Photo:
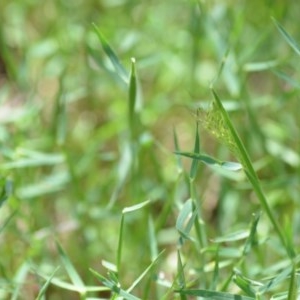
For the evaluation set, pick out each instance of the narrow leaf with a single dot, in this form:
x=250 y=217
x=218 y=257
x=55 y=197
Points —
x=283 y=275
x=148 y=270
x=5 y=223
x=293 y=295
x=7 y=188
x=135 y=207
x=289 y=39
x=114 y=287
x=244 y=284
x=195 y=162
x=74 y=276
x=215 y=279
x=177 y=149
x=186 y=219
x=234 y=236
x=251 y=240
x=152 y=238
x=120 y=244
x=132 y=96
x=208 y=160
x=120 y=70
x=180 y=272
x=43 y=290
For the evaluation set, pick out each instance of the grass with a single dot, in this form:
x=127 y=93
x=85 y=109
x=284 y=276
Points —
x=149 y=150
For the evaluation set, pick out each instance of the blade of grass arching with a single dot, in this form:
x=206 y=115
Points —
x=289 y=39
x=249 y=170
x=147 y=271
x=43 y=290
x=71 y=287
x=121 y=231
x=73 y=274
x=207 y=294
x=120 y=70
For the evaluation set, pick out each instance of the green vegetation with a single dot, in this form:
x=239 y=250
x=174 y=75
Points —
x=149 y=150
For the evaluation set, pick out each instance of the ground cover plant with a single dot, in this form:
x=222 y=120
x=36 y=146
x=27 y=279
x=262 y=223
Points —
x=149 y=150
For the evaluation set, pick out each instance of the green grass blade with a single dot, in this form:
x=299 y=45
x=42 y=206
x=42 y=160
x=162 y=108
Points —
x=71 y=287
x=194 y=166
x=232 y=237
x=120 y=244
x=60 y=115
x=26 y=158
x=293 y=288
x=271 y=284
x=44 y=288
x=74 y=276
x=215 y=278
x=208 y=294
x=152 y=239
x=186 y=220
x=177 y=149
x=292 y=82
x=252 y=240
x=135 y=207
x=147 y=271
x=132 y=99
x=289 y=39
x=19 y=280
x=244 y=284
x=121 y=231
x=114 y=286
x=7 y=188
x=210 y=161
x=242 y=154
x=181 y=283
x=8 y=219
x=120 y=70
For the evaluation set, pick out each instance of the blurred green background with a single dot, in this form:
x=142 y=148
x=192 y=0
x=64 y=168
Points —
x=65 y=165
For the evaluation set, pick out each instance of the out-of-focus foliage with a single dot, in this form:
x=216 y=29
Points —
x=71 y=161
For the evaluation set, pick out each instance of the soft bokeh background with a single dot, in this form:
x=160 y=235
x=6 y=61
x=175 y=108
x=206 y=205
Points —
x=64 y=132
